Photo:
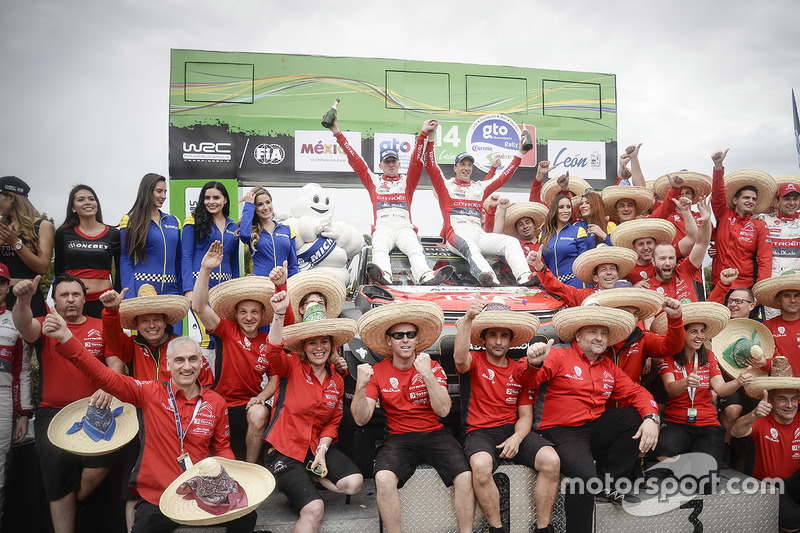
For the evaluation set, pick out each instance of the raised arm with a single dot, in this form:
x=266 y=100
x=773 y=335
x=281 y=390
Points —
x=637 y=176
x=211 y=260
x=703 y=234
x=437 y=392
x=356 y=162
x=362 y=407
x=718 y=199
x=744 y=426
x=28 y=327
x=416 y=165
x=461 y=355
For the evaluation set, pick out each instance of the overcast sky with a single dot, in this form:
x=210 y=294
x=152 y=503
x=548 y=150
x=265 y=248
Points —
x=85 y=83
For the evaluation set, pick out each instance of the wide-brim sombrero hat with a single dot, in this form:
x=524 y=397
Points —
x=534 y=210
x=642 y=197
x=784 y=179
x=763 y=182
x=523 y=325
x=738 y=328
x=767 y=290
x=584 y=266
x=257 y=482
x=577 y=186
x=649 y=303
x=568 y=321
x=426 y=316
x=627 y=232
x=699 y=183
x=79 y=442
x=172 y=306
x=780 y=377
x=340 y=329
x=224 y=297
x=715 y=317
x=324 y=282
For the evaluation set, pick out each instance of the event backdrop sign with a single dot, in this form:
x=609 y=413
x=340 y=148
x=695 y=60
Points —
x=256 y=117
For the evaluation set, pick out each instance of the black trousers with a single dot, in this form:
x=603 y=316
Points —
x=148 y=519
x=789 y=503
x=603 y=446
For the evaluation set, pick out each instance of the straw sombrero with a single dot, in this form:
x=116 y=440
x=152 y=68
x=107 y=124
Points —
x=551 y=188
x=315 y=324
x=324 y=282
x=763 y=182
x=497 y=314
x=224 y=297
x=172 y=306
x=426 y=316
x=627 y=232
x=568 y=321
x=715 y=316
x=534 y=210
x=737 y=341
x=256 y=481
x=642 y=197
x=648 y=302
x=766 y=290
x=700 y=184
x=583 y=267
x=80 y=440
x=780 y=377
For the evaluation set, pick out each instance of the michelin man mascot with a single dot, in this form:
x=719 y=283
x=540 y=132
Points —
x=321 y=242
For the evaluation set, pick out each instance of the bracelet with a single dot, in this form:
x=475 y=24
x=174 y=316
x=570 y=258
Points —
x=279 y=314
x=322 y=446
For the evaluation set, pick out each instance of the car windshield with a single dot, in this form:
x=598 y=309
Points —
x=438 y=257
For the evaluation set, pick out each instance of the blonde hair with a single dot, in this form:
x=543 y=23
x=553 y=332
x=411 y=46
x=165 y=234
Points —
x=23 y=215
x=256 y=228
x=333 y=357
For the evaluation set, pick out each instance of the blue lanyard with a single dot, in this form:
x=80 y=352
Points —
x=174 y=404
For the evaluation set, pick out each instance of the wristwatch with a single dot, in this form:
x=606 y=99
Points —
x=18 y=245
x=654 y=418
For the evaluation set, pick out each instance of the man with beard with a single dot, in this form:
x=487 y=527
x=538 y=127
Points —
x=641 y=236
x=743 y=242
x=499 y=412
x=68 y=478
x=783 y=292
x=601 y=268
x=677 y=281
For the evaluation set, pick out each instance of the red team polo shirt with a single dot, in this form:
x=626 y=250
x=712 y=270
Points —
x=777 y=448
x=243 y=365
x=208 y=435
x=787 y=341
x=304 y=410
x=631 y=359
x=642 y=273
x=703 y=402
x=573 y=391
x=60 y=382
x=496 y=390
x=404 y=397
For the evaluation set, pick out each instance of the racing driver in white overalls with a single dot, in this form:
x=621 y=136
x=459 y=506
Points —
x=391 y=194
x=461 y=202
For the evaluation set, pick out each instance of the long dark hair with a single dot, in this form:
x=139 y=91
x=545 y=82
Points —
x=702 y=354
x=550 y=223
x=597 y=213
x=202 y=218
x=139 y=216
x=72 y=218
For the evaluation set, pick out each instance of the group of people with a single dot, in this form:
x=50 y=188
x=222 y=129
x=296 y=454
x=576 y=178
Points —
x=637 y=337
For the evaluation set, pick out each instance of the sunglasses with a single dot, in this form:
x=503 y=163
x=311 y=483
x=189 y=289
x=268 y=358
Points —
x=400 y=334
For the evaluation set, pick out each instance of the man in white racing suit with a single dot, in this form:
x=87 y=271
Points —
x=784 y=232
x=461 y=201
x=391 y=194
x=15 y=383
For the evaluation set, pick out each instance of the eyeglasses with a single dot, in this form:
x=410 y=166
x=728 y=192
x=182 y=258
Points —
x=400 y=334
x=738 y=301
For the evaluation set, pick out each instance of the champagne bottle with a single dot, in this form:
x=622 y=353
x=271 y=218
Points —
x=525 y=140
x=330 y=116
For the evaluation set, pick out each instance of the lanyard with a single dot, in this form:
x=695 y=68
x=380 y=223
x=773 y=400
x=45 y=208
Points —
x=691 y=391
x=174 y=404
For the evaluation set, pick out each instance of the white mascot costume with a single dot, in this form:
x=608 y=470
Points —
x=321 y=242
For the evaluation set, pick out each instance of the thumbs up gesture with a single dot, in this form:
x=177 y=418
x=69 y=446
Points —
x=764 y=407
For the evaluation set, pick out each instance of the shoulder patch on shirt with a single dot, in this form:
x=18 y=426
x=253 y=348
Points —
x=124 y=222
x=582 y=232
x=189 y=220
x=292 y=233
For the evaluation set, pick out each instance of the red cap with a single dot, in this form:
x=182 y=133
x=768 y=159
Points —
x=4 y=272
x=786 y=188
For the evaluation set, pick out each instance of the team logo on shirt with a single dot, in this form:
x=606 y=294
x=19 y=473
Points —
x=417 y=380
x=394 y=383
x=660 y=290
x=489 y=374
x=206 y=410
x=797 y=434
x=577 y=375
x=244 y=343
x=781 y=330
x=773 y=435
